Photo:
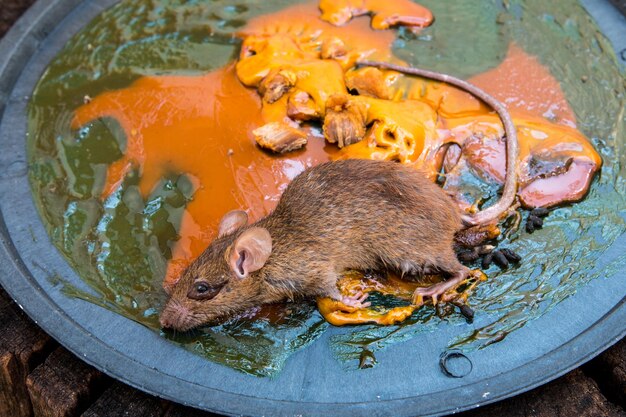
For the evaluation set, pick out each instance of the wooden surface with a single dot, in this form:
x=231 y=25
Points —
x=23 y=347
x=40 y=378
x=63 y=385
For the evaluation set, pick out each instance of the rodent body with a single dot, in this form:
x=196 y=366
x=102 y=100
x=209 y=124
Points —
x=351 y=214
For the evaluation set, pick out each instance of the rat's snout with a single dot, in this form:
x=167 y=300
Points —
x=165 y=321
x=175 y=316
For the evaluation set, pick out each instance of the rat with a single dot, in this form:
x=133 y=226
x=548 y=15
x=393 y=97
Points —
x=349 y=214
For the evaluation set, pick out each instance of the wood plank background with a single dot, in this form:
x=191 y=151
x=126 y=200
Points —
x=40 y=378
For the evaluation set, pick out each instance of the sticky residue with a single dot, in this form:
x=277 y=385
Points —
x=131 y=183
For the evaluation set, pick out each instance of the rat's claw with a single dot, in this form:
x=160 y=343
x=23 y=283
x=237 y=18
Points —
x=363 y=297
x=356 y=300
x=434 y=292
x=418 y=300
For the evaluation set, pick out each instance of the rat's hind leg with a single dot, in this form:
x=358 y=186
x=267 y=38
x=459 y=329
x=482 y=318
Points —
x=458 y=273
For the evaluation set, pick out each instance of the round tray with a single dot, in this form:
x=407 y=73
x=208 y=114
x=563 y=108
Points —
x=409 y=382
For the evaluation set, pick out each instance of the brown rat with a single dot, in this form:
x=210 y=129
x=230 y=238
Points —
x=351 y=214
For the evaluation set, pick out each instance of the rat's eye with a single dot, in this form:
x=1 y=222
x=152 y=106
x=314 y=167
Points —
x=201 y=290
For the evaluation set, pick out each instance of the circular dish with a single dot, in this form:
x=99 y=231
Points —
x=411 y=382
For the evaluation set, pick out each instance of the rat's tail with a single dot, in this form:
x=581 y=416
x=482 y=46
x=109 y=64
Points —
x=512 y=147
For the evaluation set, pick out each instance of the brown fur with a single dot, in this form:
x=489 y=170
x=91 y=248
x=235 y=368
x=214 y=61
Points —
x=352 y=214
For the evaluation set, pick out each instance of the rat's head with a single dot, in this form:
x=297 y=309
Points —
x=224 y=280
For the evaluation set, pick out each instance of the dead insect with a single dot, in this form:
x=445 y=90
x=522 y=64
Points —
x=535 y=219
x=466 y=311
x=468 y=256
x=502 y=257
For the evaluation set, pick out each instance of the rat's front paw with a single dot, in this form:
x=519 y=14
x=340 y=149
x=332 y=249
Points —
x=356 y=300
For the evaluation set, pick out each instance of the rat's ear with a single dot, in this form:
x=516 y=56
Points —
x=232 y=221
x=250 y=251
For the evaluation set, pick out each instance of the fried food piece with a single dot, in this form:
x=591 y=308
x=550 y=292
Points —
x=341 y=12
x=333 y=48
x=345 y=120
x=384 y=13
x=388 y=18
x=300 y=106
x=368 y=81
x=280 y=137
x=276 y=84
